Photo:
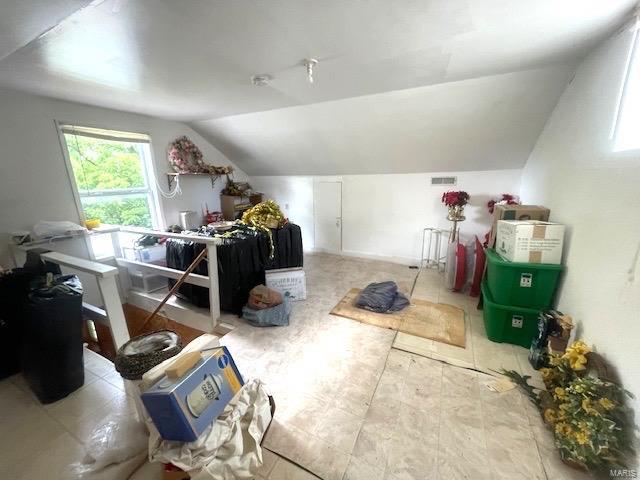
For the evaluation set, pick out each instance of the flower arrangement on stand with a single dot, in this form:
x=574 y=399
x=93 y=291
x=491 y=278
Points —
x=455 y=202
x=186 y=157
x=590 y=422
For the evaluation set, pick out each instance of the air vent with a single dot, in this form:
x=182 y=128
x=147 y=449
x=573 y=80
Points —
x=443 y=180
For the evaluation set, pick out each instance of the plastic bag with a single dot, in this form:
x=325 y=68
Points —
x=382 y=297
x=230 y=448
x=118 y=439
x=57 y=229
x=53 y=328
x=269 y=317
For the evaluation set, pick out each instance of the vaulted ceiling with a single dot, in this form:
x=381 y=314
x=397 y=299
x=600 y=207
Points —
x=490 y=70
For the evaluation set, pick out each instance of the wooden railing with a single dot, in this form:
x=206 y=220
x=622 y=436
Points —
x=112 y=315
x=210 y=281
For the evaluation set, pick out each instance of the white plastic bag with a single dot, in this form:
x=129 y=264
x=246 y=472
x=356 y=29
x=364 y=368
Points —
x=115 y=441
x=46 y=229
x=230 y=448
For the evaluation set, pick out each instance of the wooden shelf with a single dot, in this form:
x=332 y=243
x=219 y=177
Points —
x=171 y=177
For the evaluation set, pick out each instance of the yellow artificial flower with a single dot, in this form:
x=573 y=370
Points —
x=576 y=354
x=586 y=406
x=565 y=406
x=579 y=347
x=555 y=360
x=546 y=373
x=550 y=415
x=559 y=393
x=579 y=388
x=560 y=427
x=582 y=438
x=606 y=403
x=577 y=361
x=563 y=428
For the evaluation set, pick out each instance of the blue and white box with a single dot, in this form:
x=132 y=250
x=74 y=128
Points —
x=181 y=409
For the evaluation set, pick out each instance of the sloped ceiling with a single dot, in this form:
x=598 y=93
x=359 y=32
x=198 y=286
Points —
x=24 y=20
x=193 y=60
x=478 y=124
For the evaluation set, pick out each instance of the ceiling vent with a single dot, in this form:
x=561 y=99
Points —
x=443 y=180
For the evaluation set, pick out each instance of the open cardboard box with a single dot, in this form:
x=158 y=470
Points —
x=515 y=212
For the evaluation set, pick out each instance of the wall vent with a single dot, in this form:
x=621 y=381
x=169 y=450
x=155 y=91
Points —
x=443 y=180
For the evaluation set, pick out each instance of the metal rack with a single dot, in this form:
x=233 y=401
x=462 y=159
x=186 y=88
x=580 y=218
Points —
x=435 y=240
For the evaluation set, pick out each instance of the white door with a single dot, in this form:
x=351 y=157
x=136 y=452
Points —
x=327 y=206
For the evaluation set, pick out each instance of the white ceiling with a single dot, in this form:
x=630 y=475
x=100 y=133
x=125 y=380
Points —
x=434 y=68
x=193 y=59
x=487 y=123
x=23 y=20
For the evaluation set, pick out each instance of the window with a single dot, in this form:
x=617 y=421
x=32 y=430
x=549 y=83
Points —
x=626 y=136
x=112 y=173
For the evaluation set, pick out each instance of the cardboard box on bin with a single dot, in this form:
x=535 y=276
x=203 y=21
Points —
x=515 y=212
x=530 y=241
x=181 y=409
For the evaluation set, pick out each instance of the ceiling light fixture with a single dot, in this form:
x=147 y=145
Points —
x=309 y=63
x=261 y=80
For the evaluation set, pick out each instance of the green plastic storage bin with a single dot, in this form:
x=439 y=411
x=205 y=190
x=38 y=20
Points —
x=531 y=285
x=508 y=324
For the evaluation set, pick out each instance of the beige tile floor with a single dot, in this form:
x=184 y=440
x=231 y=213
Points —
x=349 y=406
x=480 y=352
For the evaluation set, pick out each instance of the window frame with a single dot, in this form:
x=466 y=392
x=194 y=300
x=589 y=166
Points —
x=145 y=151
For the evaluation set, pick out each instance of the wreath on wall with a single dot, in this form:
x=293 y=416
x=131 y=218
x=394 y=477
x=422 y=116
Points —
x=186 y=157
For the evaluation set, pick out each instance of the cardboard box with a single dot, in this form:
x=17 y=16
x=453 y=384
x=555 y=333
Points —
x=183 y=408
x=290 y=282
x=530 y=241
x=516 y=212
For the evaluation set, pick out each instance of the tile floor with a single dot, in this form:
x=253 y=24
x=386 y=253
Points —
x=349 y=406
x=480 y=352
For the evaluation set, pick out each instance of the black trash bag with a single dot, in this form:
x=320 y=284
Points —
x=547 y=326
x=382 y=297
x=52 y=361
x=14 y=288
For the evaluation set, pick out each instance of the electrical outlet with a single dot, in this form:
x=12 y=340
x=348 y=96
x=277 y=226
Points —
x=286 y=206
x=517 y=321
x=526 y=280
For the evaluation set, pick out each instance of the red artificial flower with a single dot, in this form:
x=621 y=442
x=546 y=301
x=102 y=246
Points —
x=455 y=198
x=507 y=199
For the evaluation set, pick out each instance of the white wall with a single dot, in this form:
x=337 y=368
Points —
x=573 y=171
x=383 y=215
x=34 y=184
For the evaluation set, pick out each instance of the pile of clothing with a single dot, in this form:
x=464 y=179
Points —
x=382 y=297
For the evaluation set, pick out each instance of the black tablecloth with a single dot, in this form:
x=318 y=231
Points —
x=242 y=261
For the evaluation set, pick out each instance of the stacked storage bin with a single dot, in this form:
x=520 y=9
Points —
x=514 y=294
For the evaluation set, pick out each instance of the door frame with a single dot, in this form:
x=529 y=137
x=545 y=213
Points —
x=315 y=246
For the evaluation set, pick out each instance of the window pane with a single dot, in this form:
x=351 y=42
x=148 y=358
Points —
x=119 y=209
x=104 y=164
x=627 y=137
